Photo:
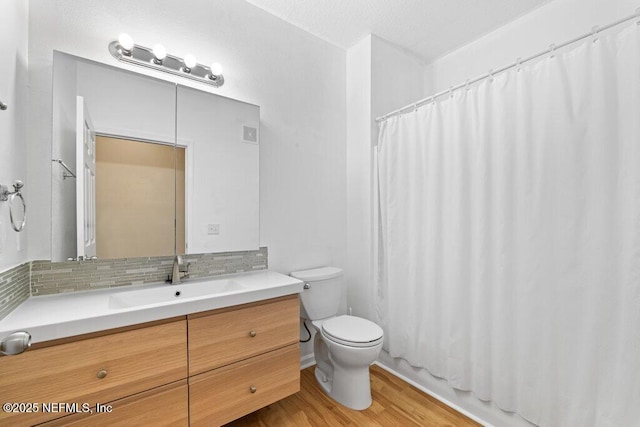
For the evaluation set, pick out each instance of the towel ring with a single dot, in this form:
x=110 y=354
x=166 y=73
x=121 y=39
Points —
x=6 y=195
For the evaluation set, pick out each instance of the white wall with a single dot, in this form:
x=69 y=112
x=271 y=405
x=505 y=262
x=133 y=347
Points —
x=13 y=124
x=380 y=77
x=555 y=22
x=396 y=79
x=63 y=189
x=120 y=103
x=296 y=79
x=127 y=104
x=359 y=152
x=222 y=172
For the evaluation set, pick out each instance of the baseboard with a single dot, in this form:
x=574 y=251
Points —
x=434 y=395
x=306 y=361
x=309 y=360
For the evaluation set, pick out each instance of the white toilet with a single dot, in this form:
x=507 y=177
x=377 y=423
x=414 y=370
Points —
x=344 y=346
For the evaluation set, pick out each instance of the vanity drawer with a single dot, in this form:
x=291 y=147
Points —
x=221 y=337
x=163 y=406
x=129 y=362
x=233 y=391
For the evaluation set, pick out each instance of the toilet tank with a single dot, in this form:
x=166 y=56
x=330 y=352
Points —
x=322 y=298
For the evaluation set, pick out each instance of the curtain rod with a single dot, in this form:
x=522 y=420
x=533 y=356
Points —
x=552 y=48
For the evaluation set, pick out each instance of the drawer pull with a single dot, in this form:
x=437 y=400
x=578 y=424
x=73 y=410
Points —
x=102 y=373
x=252 y=389
x=252 y=334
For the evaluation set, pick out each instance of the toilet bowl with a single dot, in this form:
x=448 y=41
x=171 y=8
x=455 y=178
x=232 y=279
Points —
x=343 y=370
x=344 y=346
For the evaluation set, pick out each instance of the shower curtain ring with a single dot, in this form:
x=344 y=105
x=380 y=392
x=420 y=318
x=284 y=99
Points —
x=552 y=50
x=450 y=91
x=519 y=64
x=594 y=33
x=638 y=16
x=491 y=75
x=466 y=85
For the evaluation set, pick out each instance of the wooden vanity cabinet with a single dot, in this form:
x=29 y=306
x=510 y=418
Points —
x=242 y=359
x=220 y=337
x=225 y=394
x=239 y=359
x=166 y=405
x=95 y=368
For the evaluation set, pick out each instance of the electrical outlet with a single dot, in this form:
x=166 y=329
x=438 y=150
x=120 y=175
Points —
x=213 y=229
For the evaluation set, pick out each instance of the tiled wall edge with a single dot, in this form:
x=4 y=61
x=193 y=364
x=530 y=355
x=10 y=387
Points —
x=14 y=288
x=71 y=276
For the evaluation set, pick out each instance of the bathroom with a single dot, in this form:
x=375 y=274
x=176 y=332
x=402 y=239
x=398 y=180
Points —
x=319 y=93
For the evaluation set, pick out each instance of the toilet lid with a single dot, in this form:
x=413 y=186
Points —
x=352 y=330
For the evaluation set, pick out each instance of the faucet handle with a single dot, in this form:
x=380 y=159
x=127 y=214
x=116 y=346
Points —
x=184 y=268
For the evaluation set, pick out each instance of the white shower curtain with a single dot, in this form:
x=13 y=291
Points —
x=509 y=236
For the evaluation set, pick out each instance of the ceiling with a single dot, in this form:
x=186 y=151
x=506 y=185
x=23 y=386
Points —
x=428 y=28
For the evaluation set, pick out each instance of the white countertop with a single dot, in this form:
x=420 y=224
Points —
x=68 y=314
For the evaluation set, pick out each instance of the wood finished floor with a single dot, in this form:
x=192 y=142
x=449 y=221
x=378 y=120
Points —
x=395 y=403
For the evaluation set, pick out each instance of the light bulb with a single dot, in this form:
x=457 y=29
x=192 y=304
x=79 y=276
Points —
x=216 y=69
x=159 y=52
x=190 y=61
x=125 y=41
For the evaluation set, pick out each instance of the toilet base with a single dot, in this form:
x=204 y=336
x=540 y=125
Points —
x=348 y=385
x=323 y=381
x=343 y=371
x=352 y=387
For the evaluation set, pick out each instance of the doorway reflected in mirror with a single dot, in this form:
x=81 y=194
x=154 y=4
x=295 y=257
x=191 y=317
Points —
x=135 y=204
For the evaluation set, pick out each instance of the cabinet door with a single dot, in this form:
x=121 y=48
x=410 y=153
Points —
x=228 y=393
x=163 y=406
x=225 y=336
x=93 y=370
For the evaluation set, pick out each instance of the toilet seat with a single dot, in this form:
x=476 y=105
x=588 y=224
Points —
x=352 y=331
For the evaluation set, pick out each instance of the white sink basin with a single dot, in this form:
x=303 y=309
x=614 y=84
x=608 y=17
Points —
x=64 y=315
x=170 y=294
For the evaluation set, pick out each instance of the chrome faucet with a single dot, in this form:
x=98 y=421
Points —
x=179 y=270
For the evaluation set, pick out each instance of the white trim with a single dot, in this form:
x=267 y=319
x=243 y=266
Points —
x=306 y=361
x=309 y=360
x=434 y=395
x=132 y=134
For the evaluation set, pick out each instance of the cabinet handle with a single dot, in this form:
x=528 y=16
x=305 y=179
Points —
x=102 y=373
x=253 y=389
x=252 y=334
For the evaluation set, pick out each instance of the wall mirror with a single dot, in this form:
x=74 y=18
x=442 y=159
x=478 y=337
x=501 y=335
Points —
x=144 y=167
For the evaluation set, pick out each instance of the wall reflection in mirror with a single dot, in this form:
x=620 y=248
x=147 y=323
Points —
x=159 y=168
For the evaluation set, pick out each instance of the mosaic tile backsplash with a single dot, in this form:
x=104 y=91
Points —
x=14 y=288
x=71 y=276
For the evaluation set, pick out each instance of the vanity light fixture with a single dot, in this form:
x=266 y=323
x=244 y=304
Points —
x=189 y=63
x=125 y=50
x=159 y=52
x=126 y=42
